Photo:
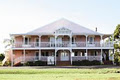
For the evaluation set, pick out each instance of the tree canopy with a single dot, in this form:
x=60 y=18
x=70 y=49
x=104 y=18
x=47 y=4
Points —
x=117 y=32
x=117 y=44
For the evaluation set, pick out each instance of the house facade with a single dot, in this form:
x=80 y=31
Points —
x=61 y=42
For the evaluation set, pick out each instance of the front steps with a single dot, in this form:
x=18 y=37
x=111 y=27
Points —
x=63 y=63
x=108 y=62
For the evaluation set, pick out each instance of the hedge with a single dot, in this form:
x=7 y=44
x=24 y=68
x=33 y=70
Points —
x=86 y=63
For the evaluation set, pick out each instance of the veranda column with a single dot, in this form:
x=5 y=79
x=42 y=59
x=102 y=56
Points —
x=101 y=55
x=101 y=36
x=74 y=39
x=55 y=41
x=101 y=47
x=113 y=57
x=70 y=40
x=55 y=48
x=113 y=48
x=24 y=55
x=39 y=40
x=86 y=55
x=28 y=41
x=71 y=55
x=86 y=39
x=12 y=57
x=55 y=56
x=39 y=47
x=39 y=54
x=23 y=39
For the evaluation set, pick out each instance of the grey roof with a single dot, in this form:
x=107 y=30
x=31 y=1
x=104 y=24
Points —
x=52 y=27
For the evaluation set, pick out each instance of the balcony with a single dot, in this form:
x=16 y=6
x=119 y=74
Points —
x=61 y=44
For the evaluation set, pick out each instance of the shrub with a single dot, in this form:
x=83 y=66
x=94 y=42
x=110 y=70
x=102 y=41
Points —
x=117 y=58
x=76 y=63
x=40 y=63
x=2 y=56
x=7 y=63
x=29 y=63
x=86 y=63
x=36 y=63
x=95 y=62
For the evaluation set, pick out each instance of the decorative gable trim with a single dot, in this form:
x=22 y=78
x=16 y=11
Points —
x=63 y=31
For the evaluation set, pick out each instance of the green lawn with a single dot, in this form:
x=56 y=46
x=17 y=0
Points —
x=59 y=74
x=0 y=63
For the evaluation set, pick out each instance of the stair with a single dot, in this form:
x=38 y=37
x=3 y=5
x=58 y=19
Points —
x=18 y=64
x=63 y=63
x=108 y=62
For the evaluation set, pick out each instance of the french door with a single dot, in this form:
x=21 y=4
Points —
x=64 y=56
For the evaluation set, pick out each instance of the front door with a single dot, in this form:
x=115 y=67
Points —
x=64 y=56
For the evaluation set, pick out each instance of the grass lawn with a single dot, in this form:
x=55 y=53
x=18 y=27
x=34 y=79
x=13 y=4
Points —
x=0 y=63
x=59 y=74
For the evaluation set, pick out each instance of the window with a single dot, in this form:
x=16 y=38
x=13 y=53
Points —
x=92 y=54
x=37 y=55
x=42 y=53
x=56 y=54
x=72 y=40
x=45 y=54
x=83 y=54
x=59 y=39
x=91 y=39
x=27 y=40
x=96 y=53
x=52 y=39
x=75 y=53
x=37 y=42
x=52 y=54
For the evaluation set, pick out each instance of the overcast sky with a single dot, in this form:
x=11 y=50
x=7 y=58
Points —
x=20 y=16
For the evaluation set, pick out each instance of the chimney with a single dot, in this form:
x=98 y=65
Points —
x=96 y=29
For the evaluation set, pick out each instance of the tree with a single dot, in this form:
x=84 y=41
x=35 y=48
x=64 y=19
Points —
x=117 y=32
x=2 y=56
x=8 y=42
x=117 y=44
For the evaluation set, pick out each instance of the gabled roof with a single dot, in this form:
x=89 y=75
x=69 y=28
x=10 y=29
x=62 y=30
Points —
x=52 y=27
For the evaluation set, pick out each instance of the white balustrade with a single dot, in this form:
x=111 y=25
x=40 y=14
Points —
x=62 y=44
x=90 y=58
x=29 y=58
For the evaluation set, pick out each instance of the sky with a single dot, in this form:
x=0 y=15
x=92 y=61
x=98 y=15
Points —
x=21 y=16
